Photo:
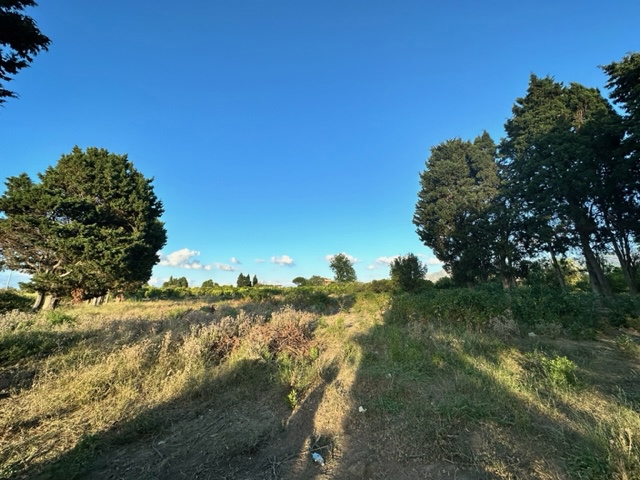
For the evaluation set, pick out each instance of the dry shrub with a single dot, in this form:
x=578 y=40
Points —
x=504 y=325
x=289 y=331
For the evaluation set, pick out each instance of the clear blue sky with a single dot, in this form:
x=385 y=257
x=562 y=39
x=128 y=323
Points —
x=280 y=132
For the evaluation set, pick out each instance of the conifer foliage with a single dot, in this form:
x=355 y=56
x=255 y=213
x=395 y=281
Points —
x=90 y=226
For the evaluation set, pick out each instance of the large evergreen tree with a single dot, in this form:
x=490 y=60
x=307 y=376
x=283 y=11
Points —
x=562 y=158
x=452 y=215
x=90 y=226
x=20 y=41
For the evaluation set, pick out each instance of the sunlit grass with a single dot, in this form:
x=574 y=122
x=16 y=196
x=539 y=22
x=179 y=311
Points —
x=481 y=394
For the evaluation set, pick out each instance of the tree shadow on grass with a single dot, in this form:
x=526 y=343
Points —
x=441 y=404
x=232 y=423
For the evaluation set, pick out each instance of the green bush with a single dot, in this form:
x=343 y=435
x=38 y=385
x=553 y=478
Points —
x=56 y=317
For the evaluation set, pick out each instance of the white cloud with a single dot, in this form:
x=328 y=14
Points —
x=183 y=258
x=430 y=260
x=382 y=262
x=285 y=260
x=351 y=258
x=260 y=260
x=224 y=267
x=235 y=261
x=386 y=260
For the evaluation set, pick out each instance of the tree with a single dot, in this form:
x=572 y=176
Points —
x=407 y=273
x=342 y=268
x=243 y=280
x=208 y=284
x=299 y=281
x=624 y=82
x=90 y=226
x=181 y=282
x=563 y=162
x=458 y=188
x=316 y=281
x=254 y=283
x=24 y=40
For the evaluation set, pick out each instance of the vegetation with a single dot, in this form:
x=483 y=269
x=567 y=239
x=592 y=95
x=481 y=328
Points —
x=21 y=41
x=565 y=179
x=89 y=227
x=342 y=268
x=473 y=383
x=181 y=282
x=407 y=273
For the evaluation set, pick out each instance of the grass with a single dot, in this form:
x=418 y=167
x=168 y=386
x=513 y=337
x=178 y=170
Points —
x=250 y=389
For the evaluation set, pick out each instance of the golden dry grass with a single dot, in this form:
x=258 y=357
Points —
x=152 y=389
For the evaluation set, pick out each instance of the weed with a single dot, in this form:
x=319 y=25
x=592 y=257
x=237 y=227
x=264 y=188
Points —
x=627 y=345
x=292 y=399
x=57 y=317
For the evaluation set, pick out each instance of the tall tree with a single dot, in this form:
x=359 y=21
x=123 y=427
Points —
x=90 y=226
x=623 y=214
x=254 y=283
x=560 y=152
x=458 y=187
x=21 y=40
x=342 y=268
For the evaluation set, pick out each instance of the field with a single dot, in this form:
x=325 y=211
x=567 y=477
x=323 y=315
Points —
x=451 y=384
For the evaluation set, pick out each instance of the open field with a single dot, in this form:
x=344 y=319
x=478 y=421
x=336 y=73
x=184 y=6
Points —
x=438 y=385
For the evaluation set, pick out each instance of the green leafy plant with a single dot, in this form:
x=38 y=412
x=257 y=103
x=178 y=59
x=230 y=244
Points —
x=56 y=317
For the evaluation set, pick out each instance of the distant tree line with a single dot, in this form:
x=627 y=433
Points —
x=245 y=281
x=565 y=178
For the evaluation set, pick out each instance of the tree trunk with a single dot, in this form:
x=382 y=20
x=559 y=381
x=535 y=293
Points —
x=599 y=283
x=557 y=270
x=626 y=268
x=50 y=302
x=37 y=304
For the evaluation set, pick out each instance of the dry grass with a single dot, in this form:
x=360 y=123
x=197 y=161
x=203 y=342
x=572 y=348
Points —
x=250 y=390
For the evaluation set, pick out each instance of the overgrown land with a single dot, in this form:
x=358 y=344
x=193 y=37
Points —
x=249 y=383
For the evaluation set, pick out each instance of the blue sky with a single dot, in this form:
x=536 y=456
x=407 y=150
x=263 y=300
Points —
x=282 y=132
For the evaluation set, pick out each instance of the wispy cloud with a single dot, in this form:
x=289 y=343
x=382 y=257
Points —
x=382 y=262
x=183 y=258
x=285 y=260
x=260 y=260
x=224 y=267
x=351 y=258
x=430 y=259
x=235 y=261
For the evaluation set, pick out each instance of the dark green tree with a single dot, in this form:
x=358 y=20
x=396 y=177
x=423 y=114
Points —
x=254 y=283
x=342 y=268
x=458 y=188
x=243 y=280
x=563 y=163
x=407 y=273
x=21 y=41
x=300 y=281
x=208 y=284
x=90 y=226
x=181 y=282
x=623 y=204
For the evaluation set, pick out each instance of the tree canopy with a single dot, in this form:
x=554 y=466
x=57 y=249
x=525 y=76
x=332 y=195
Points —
x=458 y=187
x=407 y=273
x=565 y=178
x=91 y=225
x=21 y=41
x=342 y=268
